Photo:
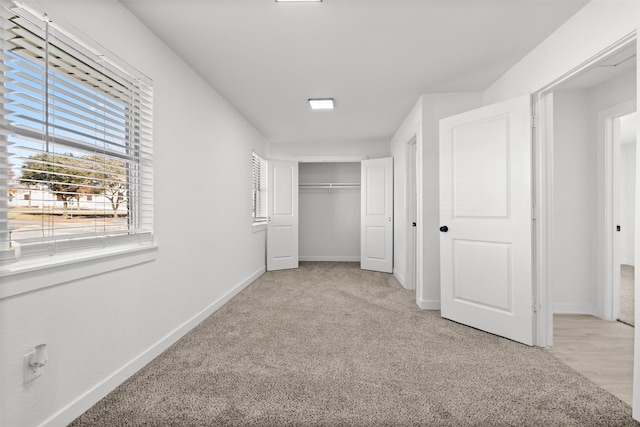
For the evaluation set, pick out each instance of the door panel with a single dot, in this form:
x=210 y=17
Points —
x=282 y=212
x=376 y=244
x=482 y=262
x=485 y=201
x=283 y=185
x=376 y=247
x=481 y=187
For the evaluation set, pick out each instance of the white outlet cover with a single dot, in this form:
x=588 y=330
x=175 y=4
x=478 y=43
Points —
x=29 y=373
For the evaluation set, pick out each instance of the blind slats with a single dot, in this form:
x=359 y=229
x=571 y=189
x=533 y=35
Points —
x=259 y=182
x=75 y=142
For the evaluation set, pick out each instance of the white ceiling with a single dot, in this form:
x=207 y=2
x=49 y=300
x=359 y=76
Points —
x=374 y=57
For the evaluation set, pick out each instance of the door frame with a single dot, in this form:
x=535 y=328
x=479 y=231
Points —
x=411 y=210
x=542 y=209
x=606 y=129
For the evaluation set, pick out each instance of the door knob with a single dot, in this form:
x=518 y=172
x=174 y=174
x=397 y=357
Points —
x=444 y=229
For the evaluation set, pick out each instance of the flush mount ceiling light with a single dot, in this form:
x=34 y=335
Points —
x=321 y=103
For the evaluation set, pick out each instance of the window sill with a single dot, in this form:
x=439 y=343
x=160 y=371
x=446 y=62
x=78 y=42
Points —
x=259 y=226
x=42 y=272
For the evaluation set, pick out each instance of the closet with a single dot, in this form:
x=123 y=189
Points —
x=330 y=211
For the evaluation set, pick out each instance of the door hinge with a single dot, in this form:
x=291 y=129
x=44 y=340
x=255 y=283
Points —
x=533 y=121
x=534 y=306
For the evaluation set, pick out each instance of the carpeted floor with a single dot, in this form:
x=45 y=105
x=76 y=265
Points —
x=627 y=311
x=329 y=344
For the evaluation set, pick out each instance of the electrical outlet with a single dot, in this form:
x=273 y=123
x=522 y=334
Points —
x=29 y=373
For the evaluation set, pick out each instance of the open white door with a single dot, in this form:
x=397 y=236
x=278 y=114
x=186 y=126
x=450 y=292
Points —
x=282 y=213
x=485 y=213
x=376 y=225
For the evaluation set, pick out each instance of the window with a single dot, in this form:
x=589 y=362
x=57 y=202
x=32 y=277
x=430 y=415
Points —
x=75 y=145
x=259 y=193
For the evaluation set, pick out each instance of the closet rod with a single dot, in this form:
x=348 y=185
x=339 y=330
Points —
x=330 y=185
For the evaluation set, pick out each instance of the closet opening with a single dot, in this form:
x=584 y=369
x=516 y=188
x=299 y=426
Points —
x=329 y=207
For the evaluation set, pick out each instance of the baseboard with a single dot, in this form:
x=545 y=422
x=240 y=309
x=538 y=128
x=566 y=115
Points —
x=428 y=304
x=330 y=258
x=93 y=396
x=400 y=279
x=572 y=308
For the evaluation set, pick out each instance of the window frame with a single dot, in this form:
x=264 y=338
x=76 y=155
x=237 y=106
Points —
x=136 y=242
x=258 y=190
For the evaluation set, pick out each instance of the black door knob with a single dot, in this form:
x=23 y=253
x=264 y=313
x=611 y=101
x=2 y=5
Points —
x=444 y=229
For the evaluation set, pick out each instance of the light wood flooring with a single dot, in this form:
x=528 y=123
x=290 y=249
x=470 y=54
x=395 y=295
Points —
x=600 y=350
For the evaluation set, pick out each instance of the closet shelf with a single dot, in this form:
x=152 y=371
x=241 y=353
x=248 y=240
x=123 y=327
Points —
x=330 y=185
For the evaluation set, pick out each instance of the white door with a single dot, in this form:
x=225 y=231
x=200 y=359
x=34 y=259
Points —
x=282 y=215
x=376 y=225
x=485 y=214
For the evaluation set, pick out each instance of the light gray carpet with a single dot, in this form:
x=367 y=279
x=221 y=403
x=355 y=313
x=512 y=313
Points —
x=627 y=309
x=329 y=344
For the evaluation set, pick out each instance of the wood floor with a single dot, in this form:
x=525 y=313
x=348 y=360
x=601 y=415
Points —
x=600 y=350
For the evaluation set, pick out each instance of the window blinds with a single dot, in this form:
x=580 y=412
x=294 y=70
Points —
x=75 y=140
x=259 y=180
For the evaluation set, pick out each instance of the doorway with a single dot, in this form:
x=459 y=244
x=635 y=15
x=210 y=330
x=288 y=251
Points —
x=624 y=142
x=411 y=198
x=329 y=197
x=574 y=208
x=581 y=186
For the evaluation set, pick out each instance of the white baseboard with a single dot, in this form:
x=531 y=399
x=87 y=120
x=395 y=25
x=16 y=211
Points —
x=572 y=308
x=428 y=304
x=93 y=396
x=330 y=258
x=400 y=279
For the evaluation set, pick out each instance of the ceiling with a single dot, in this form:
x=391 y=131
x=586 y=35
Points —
x=374 y=57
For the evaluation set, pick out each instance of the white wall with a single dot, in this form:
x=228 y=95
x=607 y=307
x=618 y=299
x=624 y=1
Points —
x=102 y=328
x=329 y=150
x=410 y=128
x=574 y=204
x=595 y=27
x=329 y=218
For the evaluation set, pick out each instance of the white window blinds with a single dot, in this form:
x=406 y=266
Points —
x=259 y=196
x=75 y=145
